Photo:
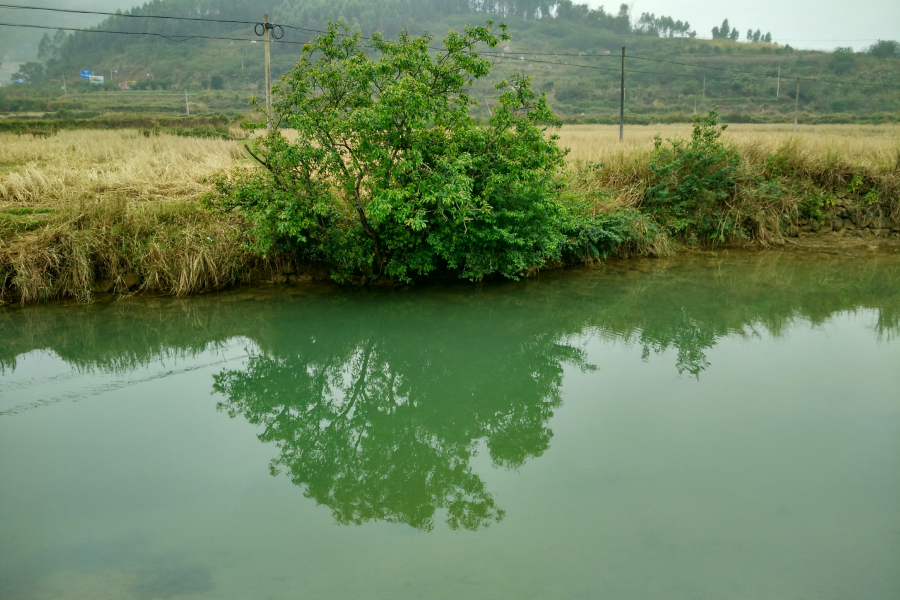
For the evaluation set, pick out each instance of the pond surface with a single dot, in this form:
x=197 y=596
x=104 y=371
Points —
x=704 y=427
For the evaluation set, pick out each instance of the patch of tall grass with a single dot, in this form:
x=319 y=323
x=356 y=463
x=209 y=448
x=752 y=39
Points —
x=176 y=248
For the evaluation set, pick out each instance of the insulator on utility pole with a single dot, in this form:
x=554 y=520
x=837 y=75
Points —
x=270 y=31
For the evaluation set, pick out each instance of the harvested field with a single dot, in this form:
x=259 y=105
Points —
x=77 y=166
x=860 y=145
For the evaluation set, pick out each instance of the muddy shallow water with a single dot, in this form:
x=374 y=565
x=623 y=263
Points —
x=711 y=426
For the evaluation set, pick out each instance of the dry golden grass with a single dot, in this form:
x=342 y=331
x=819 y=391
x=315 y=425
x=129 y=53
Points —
x=75 y=166
x=114 y=209
x=860 y=145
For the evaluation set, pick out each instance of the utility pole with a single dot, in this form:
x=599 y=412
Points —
x=187 y=105
x=704 y=88
x=268 y=28
x=622 y=100
x=796 y=104
x=778 y=85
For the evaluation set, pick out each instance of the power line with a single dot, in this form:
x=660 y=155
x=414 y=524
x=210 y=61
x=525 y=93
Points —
x=109 y=14
x=166 y=17
x=181 y=38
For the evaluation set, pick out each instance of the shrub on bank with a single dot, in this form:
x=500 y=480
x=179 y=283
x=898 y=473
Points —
x=389 y=174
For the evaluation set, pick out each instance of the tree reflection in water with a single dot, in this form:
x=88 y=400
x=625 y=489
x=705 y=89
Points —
x=383 y=424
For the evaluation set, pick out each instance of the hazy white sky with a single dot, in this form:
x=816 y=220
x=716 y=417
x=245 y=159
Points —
x=821 y=24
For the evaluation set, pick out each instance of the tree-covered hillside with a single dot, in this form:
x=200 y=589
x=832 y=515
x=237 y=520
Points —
x=572 y=52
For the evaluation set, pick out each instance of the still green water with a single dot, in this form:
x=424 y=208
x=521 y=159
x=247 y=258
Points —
x=706 y=427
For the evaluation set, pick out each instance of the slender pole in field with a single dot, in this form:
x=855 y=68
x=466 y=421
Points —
x=778 y=85
x=796 y=104
x=268 y=75
x=622 y=100
x=704 y=88
x=187 y=105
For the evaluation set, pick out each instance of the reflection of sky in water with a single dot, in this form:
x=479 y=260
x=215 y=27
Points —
x=563 y=422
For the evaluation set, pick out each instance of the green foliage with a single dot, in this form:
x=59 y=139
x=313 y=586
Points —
x=389 y=174
x=702 y=190
x=842 y=60
x=885 y=49
x=202 y=131
x=30 y=72
x=812 y=207
x=592 y=237
x=691 y=180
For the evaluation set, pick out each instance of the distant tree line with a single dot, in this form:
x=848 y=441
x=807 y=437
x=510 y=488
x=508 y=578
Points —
x=664 y=26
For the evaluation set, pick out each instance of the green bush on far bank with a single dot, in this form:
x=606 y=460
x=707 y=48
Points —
x=390 y=175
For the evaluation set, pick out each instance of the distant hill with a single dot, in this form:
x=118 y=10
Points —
x=21 y=45
x=672 y=73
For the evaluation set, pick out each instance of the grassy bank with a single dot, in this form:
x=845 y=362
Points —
x=86 y=212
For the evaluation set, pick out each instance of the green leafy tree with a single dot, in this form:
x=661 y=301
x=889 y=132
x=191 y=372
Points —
x=842 y=60
x=390 y=175
x=885 y=49
x=217 y=82
x=30 y=72
x=723 y=32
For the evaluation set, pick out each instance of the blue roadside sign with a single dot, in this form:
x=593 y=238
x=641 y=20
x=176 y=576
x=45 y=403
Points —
x=86 y=74
x=18 y=81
